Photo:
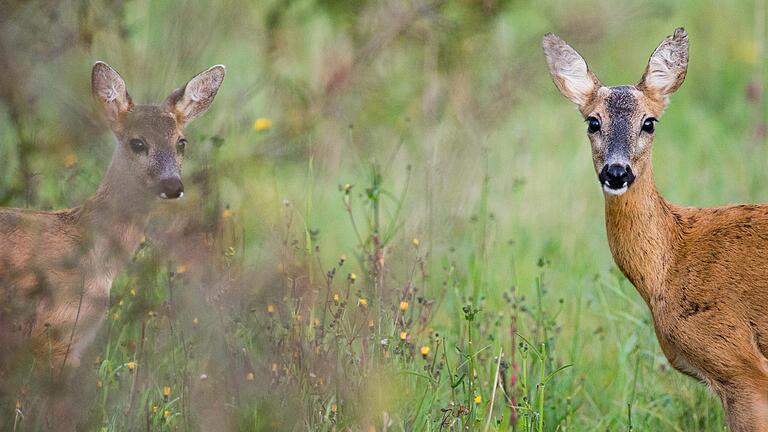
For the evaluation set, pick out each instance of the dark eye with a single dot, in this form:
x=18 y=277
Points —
x=181 y=145
x=138 y=146
x=593 y=124
x=648 y=125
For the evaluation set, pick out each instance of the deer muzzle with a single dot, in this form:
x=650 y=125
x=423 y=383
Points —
x=616 y=178
x=171 y=188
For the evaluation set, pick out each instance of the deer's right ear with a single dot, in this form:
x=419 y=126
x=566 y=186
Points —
x=109 y=89
x=569 y=70
x=194 y=98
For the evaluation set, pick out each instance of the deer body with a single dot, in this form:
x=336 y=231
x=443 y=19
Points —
x=57 y=268
x=703 y=272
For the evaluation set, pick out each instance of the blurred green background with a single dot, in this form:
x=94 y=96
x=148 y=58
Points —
x=452 y=102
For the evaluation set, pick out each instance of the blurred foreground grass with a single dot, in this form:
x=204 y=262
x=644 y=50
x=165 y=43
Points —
x=411 y=236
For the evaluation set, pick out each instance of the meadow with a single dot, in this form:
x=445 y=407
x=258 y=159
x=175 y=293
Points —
x=392 y=221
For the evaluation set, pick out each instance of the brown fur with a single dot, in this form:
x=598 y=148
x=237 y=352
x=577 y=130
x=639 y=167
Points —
x=56 y=268
x=702 y=271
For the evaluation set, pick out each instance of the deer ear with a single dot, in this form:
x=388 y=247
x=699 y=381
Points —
x=569 y=71
x=194 y=98
x=109 y=89
x=667 y=66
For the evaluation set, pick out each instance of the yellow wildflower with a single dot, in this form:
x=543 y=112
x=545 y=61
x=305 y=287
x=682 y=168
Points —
x=262 y=124
x=416 y=242
x=478 y=399
x=166 y=391
x=270 y=308
x=424 y=351
x=403 y=335
x=336 y=298
x=334 y=408
x=155 y=409
x=131 y=365
x=352 y=277
x=363 y=302
x=403 y=305
x=167 y=413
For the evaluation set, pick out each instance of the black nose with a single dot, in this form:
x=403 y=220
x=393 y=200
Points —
x=171 y=188
x=616 y=176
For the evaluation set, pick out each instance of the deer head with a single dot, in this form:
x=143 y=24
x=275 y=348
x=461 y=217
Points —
x=150 y=139
x=620 y=120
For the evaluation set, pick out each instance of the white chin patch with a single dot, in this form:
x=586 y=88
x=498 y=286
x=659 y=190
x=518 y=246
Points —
x=164 y=196
x=611 y=191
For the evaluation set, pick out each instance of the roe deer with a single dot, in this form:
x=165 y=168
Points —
x=703 y=272
x=56 y=268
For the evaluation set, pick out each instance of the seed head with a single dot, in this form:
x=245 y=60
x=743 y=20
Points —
x=70 y=160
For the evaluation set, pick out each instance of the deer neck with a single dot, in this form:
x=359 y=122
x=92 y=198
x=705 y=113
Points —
x=642 y=233
x=113 y=221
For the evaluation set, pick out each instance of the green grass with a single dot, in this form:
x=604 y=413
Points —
x=472 y=198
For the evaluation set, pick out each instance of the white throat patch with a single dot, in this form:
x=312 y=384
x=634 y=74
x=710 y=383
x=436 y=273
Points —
x=616 y=192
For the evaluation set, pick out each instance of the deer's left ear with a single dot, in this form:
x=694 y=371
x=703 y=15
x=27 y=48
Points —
x=667 y=66
x=194 y=98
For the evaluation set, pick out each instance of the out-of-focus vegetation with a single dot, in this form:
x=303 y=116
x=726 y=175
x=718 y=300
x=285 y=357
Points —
x=408 y=232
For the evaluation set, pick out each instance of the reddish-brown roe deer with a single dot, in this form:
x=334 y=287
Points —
x=702 y=271
x=56 y=268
